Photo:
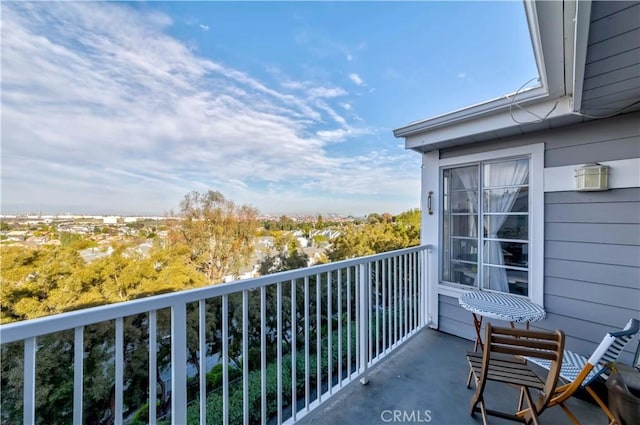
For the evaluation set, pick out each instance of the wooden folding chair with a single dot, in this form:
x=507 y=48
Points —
x=578 y=371
x=502 y=360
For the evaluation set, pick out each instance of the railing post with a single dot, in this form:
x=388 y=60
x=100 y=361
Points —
x=78 y=375
x=119 y=372
x=29 y=389
x=363 y=319
x=423 y=287
x=153 y=363
x=431 y=291
x=202 y=360
x=179 y=364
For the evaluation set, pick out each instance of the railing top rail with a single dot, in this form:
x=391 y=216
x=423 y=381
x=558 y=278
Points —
x=60 y=322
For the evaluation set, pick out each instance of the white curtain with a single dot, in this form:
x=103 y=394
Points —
x=469 y=180
x=500 y=201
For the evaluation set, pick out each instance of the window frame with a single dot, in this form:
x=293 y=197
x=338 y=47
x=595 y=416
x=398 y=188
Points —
x=535 y=153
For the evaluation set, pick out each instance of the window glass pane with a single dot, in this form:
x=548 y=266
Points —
x=464 y=249
x=462 y=273
x=464 y=201
x=506 y=173
x=513 y=253
x=517 y=281
x=512 y=199
x=464 y=225
x=460 y=225
x=502 y=226
x=464 y=178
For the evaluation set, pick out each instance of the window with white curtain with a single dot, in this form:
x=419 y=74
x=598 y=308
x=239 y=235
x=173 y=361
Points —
x=486 y=228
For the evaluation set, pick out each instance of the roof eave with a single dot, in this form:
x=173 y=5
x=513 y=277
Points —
x=493 y=106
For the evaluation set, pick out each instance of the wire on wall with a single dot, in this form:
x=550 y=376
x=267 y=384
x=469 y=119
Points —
x=512 y=104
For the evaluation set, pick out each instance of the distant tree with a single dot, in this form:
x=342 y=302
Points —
x=381 y=233
x=319 y=239
x=219 y=234
x=286 y=223
x=319 y=222
x=135 y=225
x=284 y=261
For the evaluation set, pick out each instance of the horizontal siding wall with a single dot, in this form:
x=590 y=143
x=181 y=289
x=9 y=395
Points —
x=613 y=51
x=592 y=239
x=592 y=264
x=457 y=321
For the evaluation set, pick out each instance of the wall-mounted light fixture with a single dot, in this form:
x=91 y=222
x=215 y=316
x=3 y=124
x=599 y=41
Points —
x=592 y=177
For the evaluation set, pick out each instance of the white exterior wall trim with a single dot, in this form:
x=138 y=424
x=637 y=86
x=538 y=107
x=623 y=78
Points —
x=622 y=174
x=430 y=229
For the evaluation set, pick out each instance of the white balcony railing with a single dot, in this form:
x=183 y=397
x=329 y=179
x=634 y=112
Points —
x=316 y=329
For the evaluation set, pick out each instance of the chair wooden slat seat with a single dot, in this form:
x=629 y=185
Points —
x=503 y=359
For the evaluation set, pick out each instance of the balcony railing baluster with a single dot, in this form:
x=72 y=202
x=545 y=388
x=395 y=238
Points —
x=202 y=359
x=78 y=363
x=119 y=370
x=329 y=334
x=179 y=363
x=225 y=359
x=340 y=379
x=307 y=396
x=153 y=364
x=245 y=357
x=29 y=383
x=363 y=318
x=263 y=354
x=348 y=283
x=294 y=331
x=279 y=347
x=385 y=284
x=318 y=339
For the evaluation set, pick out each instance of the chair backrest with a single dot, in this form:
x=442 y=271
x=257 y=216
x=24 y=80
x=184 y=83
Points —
x=611 y=346
x=532 y=344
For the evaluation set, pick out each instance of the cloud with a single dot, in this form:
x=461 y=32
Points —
x=346 y=106
x=204 y=27
x=333 y=135
x=312 y=90
x=326 y=92
x=461 y=75
x=349 y=57
x=356 y=79
x=104 y=112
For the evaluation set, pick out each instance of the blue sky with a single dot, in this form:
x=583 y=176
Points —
x=123 y=108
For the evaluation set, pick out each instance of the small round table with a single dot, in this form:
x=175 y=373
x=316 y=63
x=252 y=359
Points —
x=501 y=306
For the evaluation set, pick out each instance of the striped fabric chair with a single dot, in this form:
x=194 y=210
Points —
x=579 y=371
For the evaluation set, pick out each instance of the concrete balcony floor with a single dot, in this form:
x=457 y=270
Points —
x=429 y=373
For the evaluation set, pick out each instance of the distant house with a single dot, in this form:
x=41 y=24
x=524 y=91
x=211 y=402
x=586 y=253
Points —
x=92 y=254
x=501 y=204
x=314 y=254
x=110 y=219
x=16 y=235
x=36 y=241
x=265 y=242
